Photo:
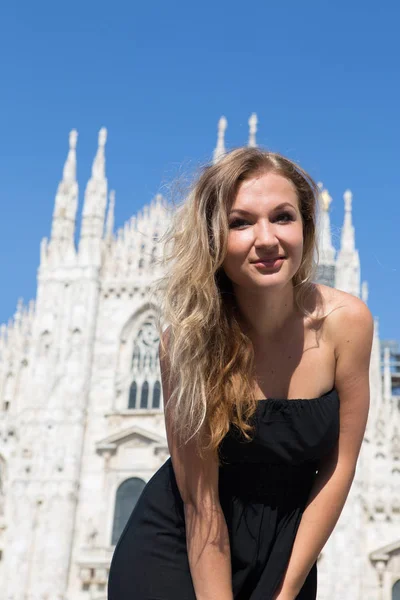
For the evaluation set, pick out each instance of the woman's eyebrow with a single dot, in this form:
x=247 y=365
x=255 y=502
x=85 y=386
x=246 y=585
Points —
x=278 y=207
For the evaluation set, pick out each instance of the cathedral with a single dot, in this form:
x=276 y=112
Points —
x=81 y=420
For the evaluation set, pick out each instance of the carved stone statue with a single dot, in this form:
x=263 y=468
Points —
x=325 y=200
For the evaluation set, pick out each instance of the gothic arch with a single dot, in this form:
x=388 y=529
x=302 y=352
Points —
x=396 y=590
x=157 y=395
x=126 y=497
x=138 y=382
x=132 y=395
x=149 y=308
x=144 y=395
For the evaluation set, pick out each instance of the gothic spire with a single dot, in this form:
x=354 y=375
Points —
x=99 y=163
x=348 y=242
x=94 y=207
x=69 y=171
x=220 y=147
x=253 y=121
x=348 y=261
x=326 y=251
x=61 y=244
x=110 y=216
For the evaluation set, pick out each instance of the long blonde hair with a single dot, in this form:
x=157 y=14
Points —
x=210 y=359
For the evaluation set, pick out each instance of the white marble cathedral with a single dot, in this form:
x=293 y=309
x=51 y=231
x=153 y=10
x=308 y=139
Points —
x=81 y=420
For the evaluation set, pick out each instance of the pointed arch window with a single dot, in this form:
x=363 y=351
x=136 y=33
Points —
x=396 y=590
x=145 y=389
x=144 y=397
x=127 y=495
x=132 y=395
x=156 y=394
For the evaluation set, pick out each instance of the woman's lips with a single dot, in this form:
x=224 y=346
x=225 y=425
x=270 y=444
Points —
x=269 y=264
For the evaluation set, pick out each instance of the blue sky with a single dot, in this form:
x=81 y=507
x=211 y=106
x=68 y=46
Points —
x=322 y=76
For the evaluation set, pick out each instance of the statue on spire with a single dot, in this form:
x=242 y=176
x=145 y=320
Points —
x=98 y=168
x=324 y=198
x=348 y=199
x=94 y=207
x=69 y=171
x=253 y=121
x=220 y=147
x=61 y=247
x=348 y=262
x=364 y=292
x=326 y=251
x=348 y=241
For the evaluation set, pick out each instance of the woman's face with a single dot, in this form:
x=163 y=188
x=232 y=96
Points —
x=265 y=223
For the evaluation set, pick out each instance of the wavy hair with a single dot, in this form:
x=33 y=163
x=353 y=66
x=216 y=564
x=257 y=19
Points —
x=210 y=359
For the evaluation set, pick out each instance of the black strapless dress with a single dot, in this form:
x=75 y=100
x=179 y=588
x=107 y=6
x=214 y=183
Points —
x=263 y=485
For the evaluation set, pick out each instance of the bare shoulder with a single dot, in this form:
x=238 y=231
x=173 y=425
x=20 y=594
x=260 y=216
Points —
x=349 y=326
x=347 y=317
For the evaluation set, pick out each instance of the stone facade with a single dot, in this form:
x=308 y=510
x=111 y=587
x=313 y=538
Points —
x=81 y=420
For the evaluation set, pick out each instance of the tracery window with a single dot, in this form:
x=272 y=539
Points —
x=145 y=387
x=396 y=591
x=126 y=497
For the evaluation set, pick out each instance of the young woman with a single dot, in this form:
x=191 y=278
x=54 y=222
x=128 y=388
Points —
x=266 y=391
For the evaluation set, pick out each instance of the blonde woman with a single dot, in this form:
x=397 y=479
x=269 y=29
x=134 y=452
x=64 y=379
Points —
x=265 y=380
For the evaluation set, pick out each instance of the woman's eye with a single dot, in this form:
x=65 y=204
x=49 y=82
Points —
x=236 y=223
x=285 y=217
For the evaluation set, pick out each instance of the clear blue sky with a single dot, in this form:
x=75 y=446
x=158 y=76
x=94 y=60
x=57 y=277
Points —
x=322 y=76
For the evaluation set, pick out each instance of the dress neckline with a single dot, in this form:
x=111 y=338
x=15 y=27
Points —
x=286 y=400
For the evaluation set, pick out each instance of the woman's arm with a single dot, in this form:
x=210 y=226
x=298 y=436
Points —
x=207 y=536
x=208 y=550
x=351 y=330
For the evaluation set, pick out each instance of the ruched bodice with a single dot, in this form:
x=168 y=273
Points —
x=287 y=432
x=264 y=485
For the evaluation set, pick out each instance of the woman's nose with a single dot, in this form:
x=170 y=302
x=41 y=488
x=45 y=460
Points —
x=265 y=235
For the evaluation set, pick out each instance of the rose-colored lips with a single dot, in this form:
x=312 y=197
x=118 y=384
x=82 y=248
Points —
x=268 y=260
x=270 y=264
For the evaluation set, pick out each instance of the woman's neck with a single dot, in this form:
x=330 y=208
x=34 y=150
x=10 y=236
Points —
x=266 y=314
